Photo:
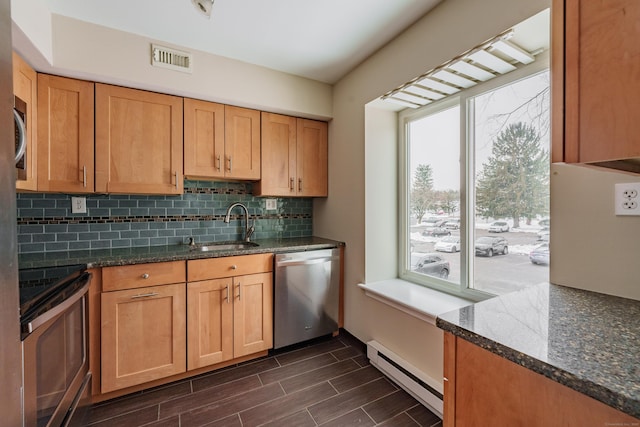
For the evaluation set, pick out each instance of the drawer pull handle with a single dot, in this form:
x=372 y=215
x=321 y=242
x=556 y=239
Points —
x=234 y=267
x=145 y=276
x=150 y=294
x=239 y=291
x=227 y=297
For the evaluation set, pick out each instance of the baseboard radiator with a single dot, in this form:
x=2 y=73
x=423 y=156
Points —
x=406 y=376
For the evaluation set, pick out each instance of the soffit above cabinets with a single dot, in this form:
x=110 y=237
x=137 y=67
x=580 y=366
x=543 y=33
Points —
x=319 y=40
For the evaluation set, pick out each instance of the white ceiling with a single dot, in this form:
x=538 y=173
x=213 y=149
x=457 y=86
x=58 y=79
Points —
x=321 y=40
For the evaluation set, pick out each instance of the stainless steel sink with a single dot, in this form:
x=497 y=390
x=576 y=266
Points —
x=223 y=246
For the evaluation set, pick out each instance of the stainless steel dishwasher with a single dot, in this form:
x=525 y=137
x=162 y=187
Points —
x=306 y=295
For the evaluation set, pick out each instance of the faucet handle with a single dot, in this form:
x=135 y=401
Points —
x=250 y=231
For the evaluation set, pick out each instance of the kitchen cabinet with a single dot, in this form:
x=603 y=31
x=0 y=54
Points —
x=138 y=141
x=143 y=320
x=484 y=389
x=230 y=312
x=595 y=69
x=221 y=141
x=25 y=84
x=294 y=157
x=65 y=151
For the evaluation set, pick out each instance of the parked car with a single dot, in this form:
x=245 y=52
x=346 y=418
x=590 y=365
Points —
x=434 y=221
x=498 y=227
x=448 y=244
x=490 y=245
x=540 y=254
x=436 y=231
x=432 y=265
x=452 y=224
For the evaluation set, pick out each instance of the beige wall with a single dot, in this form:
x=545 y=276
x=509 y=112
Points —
x=92 y=52
x=450 y=29
x=591 y=247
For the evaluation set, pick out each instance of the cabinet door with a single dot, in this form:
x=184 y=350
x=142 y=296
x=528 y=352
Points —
x=143 y=335
x=209 y=322
x=312 y=159
x=278 y=156
x=203 y=139
x=492 y=391
x=601 y=80
x=252 y=314
x=65 y=135
x=25 y=86
x=242 y=143
x=138 y=141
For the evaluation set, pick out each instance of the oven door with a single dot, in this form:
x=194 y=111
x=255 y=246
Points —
x=55 y=362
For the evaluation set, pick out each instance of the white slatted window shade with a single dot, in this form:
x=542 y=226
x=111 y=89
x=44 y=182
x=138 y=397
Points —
x=484 y=62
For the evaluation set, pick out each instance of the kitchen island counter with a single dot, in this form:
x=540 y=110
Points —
x=587 y=341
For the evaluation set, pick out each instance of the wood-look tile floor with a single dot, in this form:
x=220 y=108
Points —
x=328 y=382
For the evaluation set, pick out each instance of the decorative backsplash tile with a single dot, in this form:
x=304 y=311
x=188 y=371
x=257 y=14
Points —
x=45 y=221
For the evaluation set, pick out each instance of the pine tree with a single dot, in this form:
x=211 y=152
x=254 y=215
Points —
x=515 y=180
x=422 y=191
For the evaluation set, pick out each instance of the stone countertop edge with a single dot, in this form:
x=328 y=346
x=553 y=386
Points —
x=139 y=255
x=588 y=387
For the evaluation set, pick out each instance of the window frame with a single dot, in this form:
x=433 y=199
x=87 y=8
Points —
x=464 y=100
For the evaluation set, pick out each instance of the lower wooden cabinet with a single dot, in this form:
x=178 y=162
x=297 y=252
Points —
x=230 y=304
x=228 y=318
x=484 y=389
x=143 y=336
x=155 y=328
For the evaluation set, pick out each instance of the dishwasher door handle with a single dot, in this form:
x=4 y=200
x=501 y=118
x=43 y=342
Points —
x=303 y=262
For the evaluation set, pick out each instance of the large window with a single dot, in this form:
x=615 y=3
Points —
x=474 y=183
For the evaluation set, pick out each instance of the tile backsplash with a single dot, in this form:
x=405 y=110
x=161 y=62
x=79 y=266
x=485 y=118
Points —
x=45 y=221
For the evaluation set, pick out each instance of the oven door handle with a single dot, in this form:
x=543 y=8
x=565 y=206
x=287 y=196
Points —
x=60 y=308
x=22 y=144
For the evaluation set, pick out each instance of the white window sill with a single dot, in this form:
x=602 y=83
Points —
x=418 y=301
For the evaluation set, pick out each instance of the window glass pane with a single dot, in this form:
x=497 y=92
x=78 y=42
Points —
x=512 y=186
x=434 y=195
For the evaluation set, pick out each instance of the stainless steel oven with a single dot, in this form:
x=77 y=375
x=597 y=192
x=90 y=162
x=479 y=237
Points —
x=54 y=326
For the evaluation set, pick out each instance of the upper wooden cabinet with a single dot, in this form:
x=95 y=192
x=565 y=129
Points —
x=65 y=135
x=138 y=141
x=25 y=84
x=241 y=143
x=595 y=84
x=294 y=157
x=221 y=141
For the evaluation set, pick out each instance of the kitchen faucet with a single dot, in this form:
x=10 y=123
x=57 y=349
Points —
x=248 y=231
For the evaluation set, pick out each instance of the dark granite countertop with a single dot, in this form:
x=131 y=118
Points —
x=587 y=341
x=139 y=255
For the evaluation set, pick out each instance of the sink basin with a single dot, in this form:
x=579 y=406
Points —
x=224 y=246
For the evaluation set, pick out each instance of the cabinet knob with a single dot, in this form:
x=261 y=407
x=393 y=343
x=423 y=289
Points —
x=234 y=267
x=145 y=276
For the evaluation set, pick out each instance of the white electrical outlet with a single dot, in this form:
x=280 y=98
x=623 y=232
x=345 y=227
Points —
x=627 y=198
x=78 y=205
x=271 y=204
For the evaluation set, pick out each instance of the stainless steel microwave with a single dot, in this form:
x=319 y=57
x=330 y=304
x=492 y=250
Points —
x=20 y=116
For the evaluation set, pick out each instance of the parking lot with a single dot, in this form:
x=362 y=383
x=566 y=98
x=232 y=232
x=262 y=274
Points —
x=498 y=274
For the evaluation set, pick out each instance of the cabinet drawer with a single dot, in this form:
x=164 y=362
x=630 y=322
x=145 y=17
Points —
x=142 y=275
x=213 y=268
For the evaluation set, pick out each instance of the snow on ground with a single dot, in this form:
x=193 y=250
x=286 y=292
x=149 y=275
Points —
x=513 y=249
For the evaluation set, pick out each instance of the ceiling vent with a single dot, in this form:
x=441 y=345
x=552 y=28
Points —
x=173 y=59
